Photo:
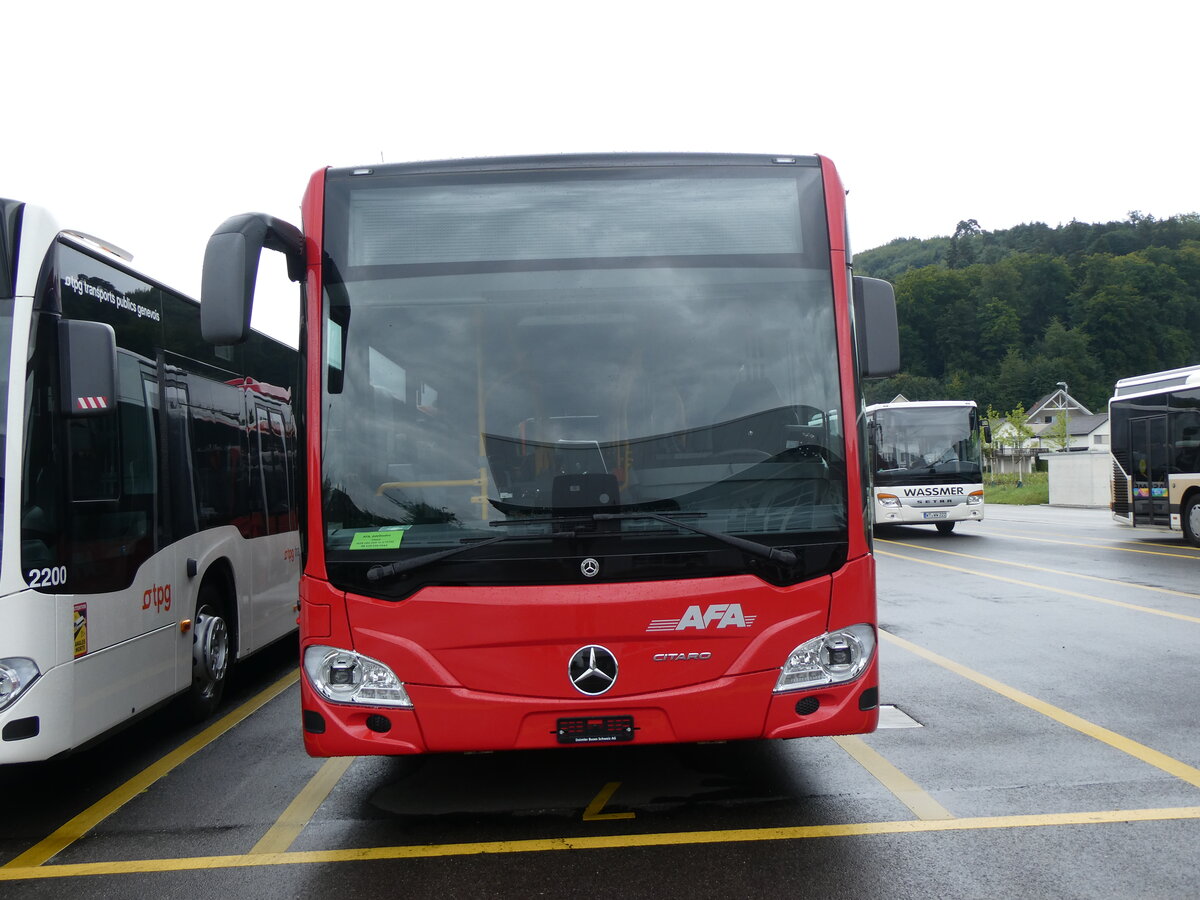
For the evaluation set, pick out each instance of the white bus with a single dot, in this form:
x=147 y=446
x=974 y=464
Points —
x=149 y=529
x=1155 y=421
x=926 y=458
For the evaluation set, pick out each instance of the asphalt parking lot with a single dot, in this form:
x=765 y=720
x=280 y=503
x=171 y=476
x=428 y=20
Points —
x=1038 y=737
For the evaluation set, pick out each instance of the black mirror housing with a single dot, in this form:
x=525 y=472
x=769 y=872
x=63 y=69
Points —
x=877 y=332
x=87 y=360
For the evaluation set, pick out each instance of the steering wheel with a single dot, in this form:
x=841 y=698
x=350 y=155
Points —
x=811 y=452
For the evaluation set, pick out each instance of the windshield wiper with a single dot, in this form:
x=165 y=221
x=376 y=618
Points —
x=754 y=548
x=773 y=554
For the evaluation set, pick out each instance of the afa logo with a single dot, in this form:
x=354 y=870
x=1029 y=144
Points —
x=722 y=615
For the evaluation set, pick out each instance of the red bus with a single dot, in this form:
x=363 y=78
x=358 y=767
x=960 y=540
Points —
x=583 y=450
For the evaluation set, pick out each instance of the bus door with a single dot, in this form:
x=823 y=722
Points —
x=1148 y=453
x=275 y=587
x=123 y=602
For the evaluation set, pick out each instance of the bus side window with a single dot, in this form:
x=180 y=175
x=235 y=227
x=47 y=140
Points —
x=273 y=461
x=42 y=487
x=1187 y=442
x=93 y=459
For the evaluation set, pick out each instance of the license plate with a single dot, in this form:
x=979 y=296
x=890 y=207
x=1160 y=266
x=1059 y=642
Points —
x=934 y=515
x=595 y=730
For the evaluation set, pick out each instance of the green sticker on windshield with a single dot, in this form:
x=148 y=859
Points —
x=377 y=540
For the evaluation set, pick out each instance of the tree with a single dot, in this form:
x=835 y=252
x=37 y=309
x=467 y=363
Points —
x=994 y=420
x=1016 y=433
x=1057 y=435
x=963 y=245
x=999 y=330
x=999 y=316
x=937 y=319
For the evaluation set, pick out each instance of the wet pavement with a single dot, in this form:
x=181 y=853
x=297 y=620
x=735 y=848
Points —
x=1039 y=738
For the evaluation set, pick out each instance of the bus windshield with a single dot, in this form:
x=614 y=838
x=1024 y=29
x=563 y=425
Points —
x=531 y=349
x=926 y=441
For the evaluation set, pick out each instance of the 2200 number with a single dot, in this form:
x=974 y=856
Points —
x=51 y=577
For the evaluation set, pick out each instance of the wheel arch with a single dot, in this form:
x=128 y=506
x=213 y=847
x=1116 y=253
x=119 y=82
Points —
x=219 y=575
x=1191 y=494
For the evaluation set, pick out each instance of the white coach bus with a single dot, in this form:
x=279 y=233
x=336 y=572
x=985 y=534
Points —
x=927 y=463
x=149 y=529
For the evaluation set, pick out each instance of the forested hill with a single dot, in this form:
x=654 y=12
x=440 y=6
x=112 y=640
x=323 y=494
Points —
x=1000 y=317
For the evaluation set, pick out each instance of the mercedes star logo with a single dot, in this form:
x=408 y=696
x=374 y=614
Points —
x=593 y=670
x=590 y=567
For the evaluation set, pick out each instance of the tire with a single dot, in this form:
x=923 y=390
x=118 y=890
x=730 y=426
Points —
x=1190 y=516
x=212 y=650
x=945 y=527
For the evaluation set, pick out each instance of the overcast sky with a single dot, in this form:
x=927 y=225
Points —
x=149 y=125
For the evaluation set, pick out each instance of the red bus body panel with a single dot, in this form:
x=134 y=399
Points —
x=487 y=667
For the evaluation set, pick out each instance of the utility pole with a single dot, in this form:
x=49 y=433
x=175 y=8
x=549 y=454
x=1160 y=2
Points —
x=1066 y=417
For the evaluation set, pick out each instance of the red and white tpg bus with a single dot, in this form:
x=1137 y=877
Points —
x=150 y=526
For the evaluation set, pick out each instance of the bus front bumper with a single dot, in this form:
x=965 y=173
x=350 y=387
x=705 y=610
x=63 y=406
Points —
x=907 y=515
x=456 y=719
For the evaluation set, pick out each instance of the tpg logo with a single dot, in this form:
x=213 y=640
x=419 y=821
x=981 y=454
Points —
x=158 y=597
x=725 y=615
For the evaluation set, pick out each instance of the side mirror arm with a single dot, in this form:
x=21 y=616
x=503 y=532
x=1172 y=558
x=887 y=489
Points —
x=231 y=268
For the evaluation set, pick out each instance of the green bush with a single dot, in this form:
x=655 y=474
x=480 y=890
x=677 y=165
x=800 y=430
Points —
x=1034 y=489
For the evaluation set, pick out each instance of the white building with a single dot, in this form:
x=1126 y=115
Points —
x=1086 y=431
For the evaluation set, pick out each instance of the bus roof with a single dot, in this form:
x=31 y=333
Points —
x=917 y=404
x=578 y=161
x=18 y=216
x=1157 y=382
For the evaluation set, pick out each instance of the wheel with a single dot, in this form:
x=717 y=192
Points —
x=1191 y=520
x=945 y=527
x=210 y=654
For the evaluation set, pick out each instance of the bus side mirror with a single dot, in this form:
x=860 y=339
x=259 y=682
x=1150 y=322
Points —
x=876 y=330
x=987 y=433
x=231 y=267
x=87 y=360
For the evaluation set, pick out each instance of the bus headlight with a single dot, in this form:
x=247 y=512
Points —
x=833 y=658
x=888 y=501
x=974 y=498
x=16 y=675
x=343 y=676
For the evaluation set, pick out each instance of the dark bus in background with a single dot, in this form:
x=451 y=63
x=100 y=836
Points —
x=1155 y=422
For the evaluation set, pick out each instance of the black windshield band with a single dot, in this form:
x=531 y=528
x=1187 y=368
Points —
x=654 y=557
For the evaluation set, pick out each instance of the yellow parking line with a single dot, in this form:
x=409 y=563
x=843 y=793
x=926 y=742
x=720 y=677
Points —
x=605 y=842
x=287 y=827
x=593 y=814
x=1043 y=587
x=1008 y=563
x=105 y=807
x=906 y=790
x=1154 y=537
x=1148 y=755
x=1039 y=540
